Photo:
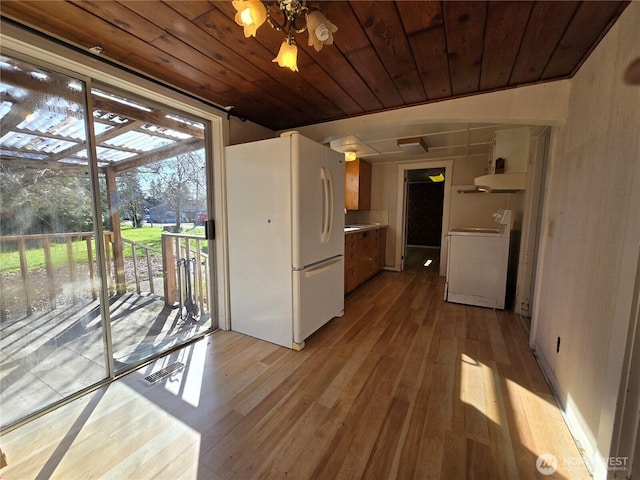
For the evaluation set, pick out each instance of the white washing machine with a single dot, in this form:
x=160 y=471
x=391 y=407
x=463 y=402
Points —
x=477 y=264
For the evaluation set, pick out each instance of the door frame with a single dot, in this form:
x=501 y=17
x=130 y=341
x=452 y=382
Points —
x=401 y=205
x=532 y=221
x=626 y=433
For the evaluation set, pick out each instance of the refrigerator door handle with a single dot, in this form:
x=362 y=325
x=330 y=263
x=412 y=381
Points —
x=331 y=205
x=321 y=267
x=325 y=205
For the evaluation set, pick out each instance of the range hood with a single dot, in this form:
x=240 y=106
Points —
x=501 y=182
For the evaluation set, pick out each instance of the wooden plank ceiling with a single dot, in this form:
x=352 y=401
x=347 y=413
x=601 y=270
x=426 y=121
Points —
x=386 y=54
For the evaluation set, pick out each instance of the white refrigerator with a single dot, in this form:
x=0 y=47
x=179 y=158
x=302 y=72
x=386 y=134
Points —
x=285 y=217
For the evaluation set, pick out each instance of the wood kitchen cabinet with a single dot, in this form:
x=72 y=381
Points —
x=350 y=262
x=364 y=256
x=357 y=185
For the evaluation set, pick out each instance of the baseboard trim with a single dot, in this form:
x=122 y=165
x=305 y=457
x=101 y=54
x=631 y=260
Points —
x=585 y=445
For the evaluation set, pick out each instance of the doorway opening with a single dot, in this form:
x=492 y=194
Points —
x=441 y=171
x=423 y=224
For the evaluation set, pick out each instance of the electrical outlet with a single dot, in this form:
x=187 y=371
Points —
x=558 y=346
x=552 y=228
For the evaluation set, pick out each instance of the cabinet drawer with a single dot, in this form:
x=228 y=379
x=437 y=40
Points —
x=350 y=244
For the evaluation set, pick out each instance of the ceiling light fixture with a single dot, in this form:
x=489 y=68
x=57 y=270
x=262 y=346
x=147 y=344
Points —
x=289 y=17
x=435 y=174
x=350 y=156
x=413 y=146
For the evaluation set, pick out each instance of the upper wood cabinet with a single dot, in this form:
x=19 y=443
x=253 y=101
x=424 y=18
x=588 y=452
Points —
x=357 y=186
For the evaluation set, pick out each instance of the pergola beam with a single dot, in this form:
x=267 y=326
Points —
x=158 y=155
x=155 y=117
x=7 y=161
x=108 y=135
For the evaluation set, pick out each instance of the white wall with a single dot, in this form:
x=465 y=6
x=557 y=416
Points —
x=245 y=131
x=590 y=246
x=543 y=104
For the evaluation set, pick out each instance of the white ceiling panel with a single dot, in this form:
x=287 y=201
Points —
x=379 y=144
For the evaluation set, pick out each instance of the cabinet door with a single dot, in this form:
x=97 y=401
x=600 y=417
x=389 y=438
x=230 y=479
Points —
x=357 y=185
x=350 y=249
x=350 y=279
x=361 y=256
x=364 y=191
x=351 y=187
x=365 y=255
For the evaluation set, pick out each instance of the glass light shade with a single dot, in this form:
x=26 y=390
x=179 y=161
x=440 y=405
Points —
x=320 y=30
x=288 y=56
x=250 y=14
x=349 y=156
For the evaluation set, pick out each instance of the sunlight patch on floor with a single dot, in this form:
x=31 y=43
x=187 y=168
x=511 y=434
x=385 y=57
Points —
x=185 y=383
x=477 y=388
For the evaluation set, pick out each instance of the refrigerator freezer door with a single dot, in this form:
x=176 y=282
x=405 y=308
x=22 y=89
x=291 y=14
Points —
x=259 y=233
x=318 y=296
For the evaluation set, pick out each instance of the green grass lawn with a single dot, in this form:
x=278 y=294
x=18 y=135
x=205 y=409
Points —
x=151 y=236
x=147 y=235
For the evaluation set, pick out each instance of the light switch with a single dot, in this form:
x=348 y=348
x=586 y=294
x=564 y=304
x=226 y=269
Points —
x=552 y=228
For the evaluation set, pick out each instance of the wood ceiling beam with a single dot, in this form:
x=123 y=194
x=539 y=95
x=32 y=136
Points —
x=156 y=117
x=12 y=119
x=119 y=130
x=170 y=151
x=109 y=134
x=13 y=162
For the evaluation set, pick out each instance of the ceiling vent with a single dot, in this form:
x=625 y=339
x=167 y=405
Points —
x=413 y=146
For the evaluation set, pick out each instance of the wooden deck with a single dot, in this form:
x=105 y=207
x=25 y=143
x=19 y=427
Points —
x=48 y=356
x=403 y=386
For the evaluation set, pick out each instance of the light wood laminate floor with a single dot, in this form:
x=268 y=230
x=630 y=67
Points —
x=403 y=386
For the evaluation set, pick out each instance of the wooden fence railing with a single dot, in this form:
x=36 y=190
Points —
x=24 y=243
x=135 y=246
x=174 y=247
x=177 y=246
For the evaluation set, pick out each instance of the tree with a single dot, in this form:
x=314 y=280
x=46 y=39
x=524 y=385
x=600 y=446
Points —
x=131 y=197
x=34 y=201
x=178 y=181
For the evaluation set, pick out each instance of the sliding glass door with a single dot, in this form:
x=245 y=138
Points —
x=155 y=191
x=51 y=331
x=104 y=261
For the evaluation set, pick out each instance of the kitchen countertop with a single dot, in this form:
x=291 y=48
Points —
x=362 y=227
